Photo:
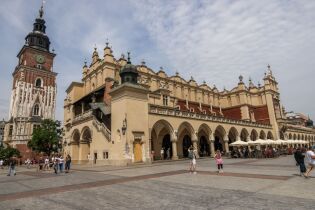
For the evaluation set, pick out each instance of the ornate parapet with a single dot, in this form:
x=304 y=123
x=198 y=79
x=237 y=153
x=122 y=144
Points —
x=160 y=110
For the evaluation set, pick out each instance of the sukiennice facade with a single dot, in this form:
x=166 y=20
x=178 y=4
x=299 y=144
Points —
x=119 y=113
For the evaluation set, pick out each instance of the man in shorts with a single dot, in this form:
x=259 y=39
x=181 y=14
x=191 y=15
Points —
x=310 y=159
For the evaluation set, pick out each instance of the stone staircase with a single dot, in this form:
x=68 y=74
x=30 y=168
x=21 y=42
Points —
x=102 y=128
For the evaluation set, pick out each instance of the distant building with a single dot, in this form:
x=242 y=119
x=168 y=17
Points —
x=298 y=119
x=123 y=113
x=33 y=96
x=2 y=126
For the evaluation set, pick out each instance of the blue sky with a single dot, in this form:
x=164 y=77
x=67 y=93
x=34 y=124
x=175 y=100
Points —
x=215 y=41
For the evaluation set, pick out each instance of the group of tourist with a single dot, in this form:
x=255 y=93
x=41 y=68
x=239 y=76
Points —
x=193 y=163
x=257 y=152
x=56 y=162
x=301 y=154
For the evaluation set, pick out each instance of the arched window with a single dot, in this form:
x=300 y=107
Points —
x=36 y=110
x=38 y=82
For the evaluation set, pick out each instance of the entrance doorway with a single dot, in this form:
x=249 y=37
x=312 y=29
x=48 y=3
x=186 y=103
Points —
x=95 y=157
x=204 y=147
x=217 y=144
x=137 y=150
x=167 y=145
x=186 y=144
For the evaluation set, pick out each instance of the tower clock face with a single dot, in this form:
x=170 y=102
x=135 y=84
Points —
x=40 y=59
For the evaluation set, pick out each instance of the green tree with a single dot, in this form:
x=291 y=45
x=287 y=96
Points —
x=46 y=137
x=6 y=153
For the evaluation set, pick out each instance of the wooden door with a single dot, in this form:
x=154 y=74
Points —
x=138 y=152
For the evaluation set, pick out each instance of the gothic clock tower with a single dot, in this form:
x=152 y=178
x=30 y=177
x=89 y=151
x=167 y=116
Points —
x=34 y=88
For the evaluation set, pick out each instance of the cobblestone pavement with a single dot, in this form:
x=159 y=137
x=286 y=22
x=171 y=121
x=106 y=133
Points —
x=245 y=184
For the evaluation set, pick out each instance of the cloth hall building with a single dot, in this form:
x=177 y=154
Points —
x=122 y=113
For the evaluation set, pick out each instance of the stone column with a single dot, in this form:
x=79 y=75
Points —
x=82 y=107
x=174 y=148
x=211 y=139
x=195 y=145
x=226 y=144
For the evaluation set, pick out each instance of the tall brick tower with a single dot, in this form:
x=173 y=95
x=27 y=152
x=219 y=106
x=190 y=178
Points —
x=34 y=88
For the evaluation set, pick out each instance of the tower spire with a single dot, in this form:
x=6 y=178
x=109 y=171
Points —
x=41 y=10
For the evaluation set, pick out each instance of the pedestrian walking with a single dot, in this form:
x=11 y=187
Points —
x=46 y=165
x=12 y=164
x=168 y=153
x=41 y=163
x=1 y=163
x=299 y=158
x=61 y=163
x=310 y=158
x=68 y=162
x=162 y=153
x=219 y=161
x=193 y=162
x=56 y=164
x=28 y=163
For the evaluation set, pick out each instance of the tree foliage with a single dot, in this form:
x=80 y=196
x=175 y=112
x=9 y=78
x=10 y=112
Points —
x=6 y=153
x=46 y=137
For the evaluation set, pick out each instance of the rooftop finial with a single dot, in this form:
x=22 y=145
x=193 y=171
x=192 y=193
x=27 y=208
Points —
x=269 y=72
x=240 y=78
x=143 y=62
x=95 y=48
x=41 y=10
x=85 y=62
x=128 y=57
x=106 y=42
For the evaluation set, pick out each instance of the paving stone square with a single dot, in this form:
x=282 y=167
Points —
x=245 y=184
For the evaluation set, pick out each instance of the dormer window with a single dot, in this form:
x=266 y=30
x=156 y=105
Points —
x=39 y=66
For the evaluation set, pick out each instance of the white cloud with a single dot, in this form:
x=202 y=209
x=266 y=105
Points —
x=212 y=40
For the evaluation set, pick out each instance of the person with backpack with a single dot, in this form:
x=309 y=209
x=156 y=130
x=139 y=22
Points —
x=219 y=161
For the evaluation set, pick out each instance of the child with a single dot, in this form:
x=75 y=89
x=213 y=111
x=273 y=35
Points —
x=219 y=161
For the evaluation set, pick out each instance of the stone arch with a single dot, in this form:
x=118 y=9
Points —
x=204 y=132
x=85 y=141
x=262 y=134
x=162 y=134
x=75 y=137
x=254 y=135
x=186 y=136
x=244 y=134
x=233 y=134
x=86 y=134
x=298 y=137
x=269 y=135
x=75 y=142
x=302 y=136
x=219 y=136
